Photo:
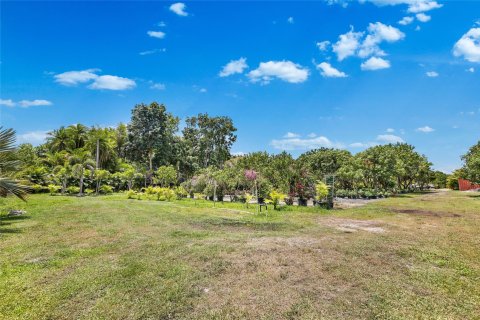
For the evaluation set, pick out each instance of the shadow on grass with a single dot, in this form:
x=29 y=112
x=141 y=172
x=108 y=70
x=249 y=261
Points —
x=474 y=196
x=7 y=221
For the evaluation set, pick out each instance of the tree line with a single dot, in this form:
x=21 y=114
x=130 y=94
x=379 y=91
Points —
x=150 y=150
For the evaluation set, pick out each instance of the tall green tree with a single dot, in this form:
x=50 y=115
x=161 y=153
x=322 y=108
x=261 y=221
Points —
x=472 y=163
x=78 y=134
x=59 y=140
x=81 y=161
x=151 y=135
x=209 y=139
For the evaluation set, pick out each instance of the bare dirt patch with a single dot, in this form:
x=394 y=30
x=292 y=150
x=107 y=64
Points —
x=341 y=203
x=351 y=225
x=426 y=213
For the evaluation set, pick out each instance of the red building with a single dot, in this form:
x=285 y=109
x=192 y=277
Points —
x=464 y=185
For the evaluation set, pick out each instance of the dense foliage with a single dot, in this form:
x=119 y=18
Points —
x=150 y=151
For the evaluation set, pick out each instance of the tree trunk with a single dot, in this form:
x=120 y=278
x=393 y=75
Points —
x=64 y=185
x=80 y=192
x=97 y=187
x=98 y=154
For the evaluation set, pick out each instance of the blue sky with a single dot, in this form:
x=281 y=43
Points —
x=292 y=75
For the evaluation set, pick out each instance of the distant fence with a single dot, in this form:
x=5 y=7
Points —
x=464 y=185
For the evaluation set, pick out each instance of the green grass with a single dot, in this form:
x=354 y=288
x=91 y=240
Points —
x=113 y=258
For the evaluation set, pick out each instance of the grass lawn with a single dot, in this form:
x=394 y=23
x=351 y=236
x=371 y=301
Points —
x=414 y=257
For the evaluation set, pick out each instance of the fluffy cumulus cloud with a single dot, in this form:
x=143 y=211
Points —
x=347 y=44
x=468 y=46
x=290 y=20
x=298 y=143
x=25 y=103
x=233 y=67
x=378 y=33
x=156 y=34
x=366 y=44
x=389 y=138
x=73 y=78
x=179 y=8
x=375 y=63
x=432 y=74
x=108 y=82
x=330 y=72
x=33 y=137
x=422 y=17
x=283 y=70
x=471 y=70
x=323 y=45
x=406 y=21
x=425 y=129
x=100 y=82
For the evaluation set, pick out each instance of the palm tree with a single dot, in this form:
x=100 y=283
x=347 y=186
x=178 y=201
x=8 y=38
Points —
x=59 y=140
x=81 y=161
x=78 y=134
x=8 y=165
x=101 y=143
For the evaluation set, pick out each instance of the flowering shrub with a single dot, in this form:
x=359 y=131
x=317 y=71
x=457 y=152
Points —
x=250 y=175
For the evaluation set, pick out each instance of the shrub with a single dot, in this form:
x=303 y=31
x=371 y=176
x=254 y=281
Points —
x=131 y=194
x=180 y=192
x=53 y=189
x=321 y=190
x=276 y=197
x=165 y=194
x=36 y=188
x=151 y=190
x=89 y=191
x=199 y=196
x=106 y=189
x=73 y=190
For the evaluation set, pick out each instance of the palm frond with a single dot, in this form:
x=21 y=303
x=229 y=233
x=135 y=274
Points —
x=9 y=186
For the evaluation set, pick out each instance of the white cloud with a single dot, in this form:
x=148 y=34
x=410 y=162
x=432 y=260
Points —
x=422 y=17
x=291 y=135
x=202 y=90
x=284 y=70
x=417 y=28
x=330 y=72
x=162 y=24
x=469 y=46
x=34 y=103
x=406 y=21
x=158 y=86
x=153 y=51
x=7 y=103
x=72 y=78
x=290 y=20
x=432 y=74
x=233 y=67
x=323 y=45
x=351 y=43
x=312 y=135
x=33 y=137
x=362 y=144
x=425 y=129
x=108 y=82
x=347 y=44
x=471 y=69
x=238 y=154
x=378 y=33
x=417 y=6
x=389 y=138
x=390 y=130
x=303 y=144
x=414 y=6
x=375 y=63
x=179 y=9
x=156 y=34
